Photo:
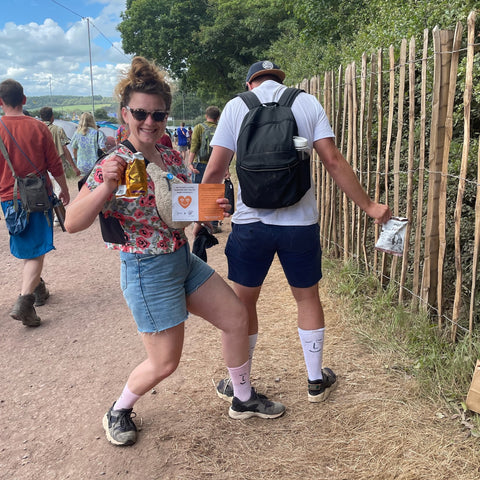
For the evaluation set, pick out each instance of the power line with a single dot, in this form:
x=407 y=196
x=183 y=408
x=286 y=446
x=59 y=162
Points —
x=66 y=8
x=96 y=28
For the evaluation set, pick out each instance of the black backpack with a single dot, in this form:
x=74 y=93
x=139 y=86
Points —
x=270 y=172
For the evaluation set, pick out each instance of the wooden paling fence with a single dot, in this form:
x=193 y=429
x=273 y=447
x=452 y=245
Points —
x=406 y=129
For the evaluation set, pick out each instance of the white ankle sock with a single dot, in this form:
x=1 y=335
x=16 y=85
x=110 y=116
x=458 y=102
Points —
x=240 y=377
x=312 y=345
x=126 y=400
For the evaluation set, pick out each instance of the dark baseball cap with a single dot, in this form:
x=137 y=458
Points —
x=264 y=67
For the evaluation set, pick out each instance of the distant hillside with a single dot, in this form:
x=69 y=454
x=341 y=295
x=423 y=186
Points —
x=60 y=101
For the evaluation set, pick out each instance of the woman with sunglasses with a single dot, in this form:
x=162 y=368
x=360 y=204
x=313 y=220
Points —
x=161 y=279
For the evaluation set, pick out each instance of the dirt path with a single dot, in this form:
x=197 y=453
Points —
x=57 y=381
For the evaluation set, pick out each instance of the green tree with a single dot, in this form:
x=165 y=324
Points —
x=101 y=114
x=206 y=45
x=186 y=105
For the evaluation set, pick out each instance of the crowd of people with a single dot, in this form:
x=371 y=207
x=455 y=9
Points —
x=162 y=281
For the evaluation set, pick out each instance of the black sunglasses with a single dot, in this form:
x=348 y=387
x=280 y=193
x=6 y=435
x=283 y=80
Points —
x=140 y=114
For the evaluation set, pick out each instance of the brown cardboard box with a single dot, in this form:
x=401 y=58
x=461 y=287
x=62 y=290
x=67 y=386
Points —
x=473 y=397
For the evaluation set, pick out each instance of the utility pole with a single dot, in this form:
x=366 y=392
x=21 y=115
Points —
x=91 y=74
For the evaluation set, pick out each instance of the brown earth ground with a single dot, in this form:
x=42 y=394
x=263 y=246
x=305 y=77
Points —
x=57 y=381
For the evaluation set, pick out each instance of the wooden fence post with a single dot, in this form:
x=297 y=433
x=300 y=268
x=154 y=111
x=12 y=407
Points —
x=467 y=104
x=348 y=156
x=476 y=247
x=391 y=108
x=442 y=42
x=368 y=152
x=442 y=205
x=398 y=142
x=379 y=145
x=411 y=158
x=421 y=175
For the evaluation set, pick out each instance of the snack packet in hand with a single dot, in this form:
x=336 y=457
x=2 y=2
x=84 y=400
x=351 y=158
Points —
x=392 y=236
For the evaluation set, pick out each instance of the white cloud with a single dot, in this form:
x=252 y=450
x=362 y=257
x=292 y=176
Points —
x=46 y=59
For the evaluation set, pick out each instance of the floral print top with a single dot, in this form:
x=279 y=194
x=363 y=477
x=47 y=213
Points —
x=87 y=147
x=138 y=216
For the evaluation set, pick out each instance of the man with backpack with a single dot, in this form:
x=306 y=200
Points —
x=200 y=148
x=260 y=130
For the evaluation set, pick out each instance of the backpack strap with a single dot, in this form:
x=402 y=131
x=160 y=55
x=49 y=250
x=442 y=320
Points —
x=250 y=99
x=129 y=145
x=288 y=96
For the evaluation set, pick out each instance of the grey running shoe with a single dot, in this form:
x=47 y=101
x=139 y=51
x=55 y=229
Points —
x=41 y=293
x=119 y=426
x=257 y=406
x=24 y=311
x=225 y=389
x=319 y=390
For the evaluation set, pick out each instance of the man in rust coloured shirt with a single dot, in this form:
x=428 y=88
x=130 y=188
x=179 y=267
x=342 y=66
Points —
x=30 y=147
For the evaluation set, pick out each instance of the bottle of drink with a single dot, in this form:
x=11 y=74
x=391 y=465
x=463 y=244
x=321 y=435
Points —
x=301 y=145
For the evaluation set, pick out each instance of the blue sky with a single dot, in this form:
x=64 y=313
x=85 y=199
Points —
x=44 y=45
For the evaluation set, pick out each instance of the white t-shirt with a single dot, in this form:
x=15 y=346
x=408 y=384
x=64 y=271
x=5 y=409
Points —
x=312 y=123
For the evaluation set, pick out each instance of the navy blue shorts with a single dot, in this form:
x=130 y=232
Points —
x=251 y=248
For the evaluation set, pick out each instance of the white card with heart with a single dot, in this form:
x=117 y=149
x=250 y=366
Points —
x=197 y=202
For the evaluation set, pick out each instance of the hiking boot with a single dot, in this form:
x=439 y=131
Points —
x=319 y=390
x=256 y=406
x=119 y=426
x=225 y=389
x=24 y=311
x=41 y=293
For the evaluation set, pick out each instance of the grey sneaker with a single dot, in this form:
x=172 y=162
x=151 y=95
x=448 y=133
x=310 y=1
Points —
x=225 y=389
x=319 y=390
x=256 y=406
x=41 y=293
x=24 y=311
x=119 y=426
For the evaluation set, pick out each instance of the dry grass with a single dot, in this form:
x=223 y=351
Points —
x=58 y=381
x=373 y=427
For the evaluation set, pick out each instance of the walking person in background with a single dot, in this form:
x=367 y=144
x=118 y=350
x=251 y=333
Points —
x=182 y=140
x=86 y=142
x=200 y=149
x=161 y=280
x=31 y=149
x=291 y=232
x=60 y=139
x=165 y=140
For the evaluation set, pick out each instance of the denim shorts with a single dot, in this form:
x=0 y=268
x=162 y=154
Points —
x=251 y=248
x=156 y=287
x=37 y=238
